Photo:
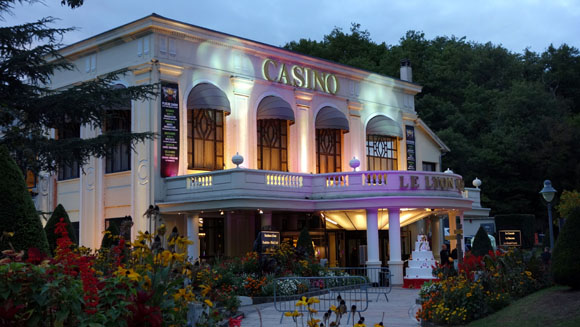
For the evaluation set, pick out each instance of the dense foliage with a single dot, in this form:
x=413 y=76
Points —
x=58 y=213
x=483 y=285
x=566 y=257
x=20 y=226
x=511 y=119
x=29 y=106
x=304 y=242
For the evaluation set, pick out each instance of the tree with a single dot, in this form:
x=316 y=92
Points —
x=569 y=200
x=110 y=237
x=58 y=214
x=566 y=257
x=28 y=108
x=481 y=243
x=304 y=243
x=17 y=212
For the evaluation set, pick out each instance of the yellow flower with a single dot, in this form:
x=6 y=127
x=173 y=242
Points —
x=208 y=302
x=204 y=289
x=312 y=310
x=360 y=325
x=313 y=300
x=292 y=314
x=333 y=308
x=180 y=294
x=302 y=302
x=313 y=322
x=529 y=273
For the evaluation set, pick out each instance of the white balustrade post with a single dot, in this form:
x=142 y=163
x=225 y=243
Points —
x=395 y=262
x=373 y=261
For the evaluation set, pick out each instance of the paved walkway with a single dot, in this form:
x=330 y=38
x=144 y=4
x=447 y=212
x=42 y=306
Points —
x=401 y=302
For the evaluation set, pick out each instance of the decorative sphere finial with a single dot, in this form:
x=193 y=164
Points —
x=448 y=171
x=237 y=160
x=476 y=182
x=354 y=163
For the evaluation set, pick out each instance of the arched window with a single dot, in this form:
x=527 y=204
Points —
x=206 y=107
x=382 y=136
x=273 y=115
x=330 y=125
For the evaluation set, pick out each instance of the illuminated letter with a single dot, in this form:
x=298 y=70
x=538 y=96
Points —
x=266 y=68
x=334 y=82
x=297 y=76
x=283 y=75
x=319 y=81
x=427 y=185
x=414 y=184
x=402 y=183
x=307 y=83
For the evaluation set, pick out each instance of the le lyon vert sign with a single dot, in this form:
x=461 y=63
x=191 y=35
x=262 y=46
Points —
x=299 y=76
x=412 y=182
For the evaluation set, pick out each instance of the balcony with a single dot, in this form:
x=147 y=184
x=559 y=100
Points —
x=251 y=189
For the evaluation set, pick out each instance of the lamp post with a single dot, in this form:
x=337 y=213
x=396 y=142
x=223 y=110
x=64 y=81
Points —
x=548 y=192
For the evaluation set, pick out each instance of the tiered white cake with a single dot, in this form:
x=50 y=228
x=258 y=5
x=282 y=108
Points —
x=422 y=261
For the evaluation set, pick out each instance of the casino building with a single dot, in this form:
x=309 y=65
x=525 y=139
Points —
x=254 y=137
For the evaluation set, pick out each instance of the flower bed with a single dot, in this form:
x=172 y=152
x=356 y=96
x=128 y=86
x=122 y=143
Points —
x=482 y=286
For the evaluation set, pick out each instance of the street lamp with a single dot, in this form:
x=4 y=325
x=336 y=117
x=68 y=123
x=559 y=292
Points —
x=548 y=192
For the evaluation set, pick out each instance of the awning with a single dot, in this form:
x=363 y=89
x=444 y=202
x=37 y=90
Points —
x=383 y=125
x=208 y=96
x=272 y=107
x=330 y=117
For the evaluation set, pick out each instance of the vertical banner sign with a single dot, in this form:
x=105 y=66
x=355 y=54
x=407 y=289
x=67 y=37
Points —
x=411 y=161
x=169 y=129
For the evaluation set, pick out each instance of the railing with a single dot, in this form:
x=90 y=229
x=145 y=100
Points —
x=348 y=293
x=261 y=184
x=379 y=278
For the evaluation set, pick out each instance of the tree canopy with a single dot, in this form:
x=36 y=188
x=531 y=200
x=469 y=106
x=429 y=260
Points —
x=29 y=107
x=511 y=119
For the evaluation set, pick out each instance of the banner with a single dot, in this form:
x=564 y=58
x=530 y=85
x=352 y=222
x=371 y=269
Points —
x=411 y=161
x=169 y=129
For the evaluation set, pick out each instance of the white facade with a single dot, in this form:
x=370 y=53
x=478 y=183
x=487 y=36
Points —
x=157 y=49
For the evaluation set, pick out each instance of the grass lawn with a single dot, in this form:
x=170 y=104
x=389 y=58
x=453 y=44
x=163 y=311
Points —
x=554 y=306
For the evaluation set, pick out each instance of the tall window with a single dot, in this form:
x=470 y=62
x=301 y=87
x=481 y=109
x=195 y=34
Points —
x=429 y=166
x=205 y=133
x=69 y=170
x=381 y=152
x=118 y=157
x=273 y=144
x=328 y=150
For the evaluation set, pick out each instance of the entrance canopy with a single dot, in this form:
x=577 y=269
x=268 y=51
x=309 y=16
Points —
x=208 y=96
x=332 y=118
x=273 y=107
x=383 y=125
x=356 y=219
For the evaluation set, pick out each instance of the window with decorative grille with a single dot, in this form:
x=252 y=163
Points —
x=118 y=157
x=381 y=152
x=328 y=150
x=273 y=144
x=205 y=139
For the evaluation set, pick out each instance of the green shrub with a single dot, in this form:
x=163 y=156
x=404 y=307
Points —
x=17 y=211
x=304 y=243
x=57 y=214
x=566 y=257
x=481 y=243
x=111 y=236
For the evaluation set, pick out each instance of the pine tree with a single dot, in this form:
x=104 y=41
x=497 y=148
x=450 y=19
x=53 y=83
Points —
x=566 y=258
x=481 y=243
x=28 y=108
x=17 y=212
x=304 y=242
x=58 y=213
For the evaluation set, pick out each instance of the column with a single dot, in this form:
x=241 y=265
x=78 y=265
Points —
x=304 y=140
x=266 y=219
x=193 y=235
x=436 y=236
x=373 y=260
x=463 y=234
x=395 y=262
x=452 y=227
x=239 y=136
x=91 y=197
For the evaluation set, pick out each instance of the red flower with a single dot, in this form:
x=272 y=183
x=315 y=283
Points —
x=8 y=312
x=235 y=322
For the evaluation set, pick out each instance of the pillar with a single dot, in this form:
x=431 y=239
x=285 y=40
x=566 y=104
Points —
x=395 y=262
x=239 y=135
x=463 y=234
x=91 y=197
x=452 y=227
x=436 y=236
x=266 y=220
x=373 y=260
x=193 y=235
x=304 y=140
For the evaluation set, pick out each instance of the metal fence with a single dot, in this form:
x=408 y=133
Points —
x=347 y=293
x=379 y=278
